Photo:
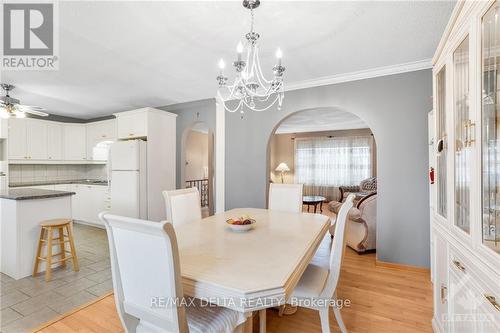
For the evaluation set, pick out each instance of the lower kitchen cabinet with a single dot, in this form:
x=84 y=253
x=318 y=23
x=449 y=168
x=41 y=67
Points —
x=89 y=201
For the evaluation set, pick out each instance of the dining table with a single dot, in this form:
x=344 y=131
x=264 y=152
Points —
x=248 y=271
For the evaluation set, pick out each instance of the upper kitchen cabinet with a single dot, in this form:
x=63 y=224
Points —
x=75 y=142
x=133 y=124
x=99 y=135
x=37 y=139
x=27 y=139
x=17 y=139
x=54 y=141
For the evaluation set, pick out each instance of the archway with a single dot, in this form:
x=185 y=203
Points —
x=197 y=167
x=330 y=151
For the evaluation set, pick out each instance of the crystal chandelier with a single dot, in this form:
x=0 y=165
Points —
x=250 y=88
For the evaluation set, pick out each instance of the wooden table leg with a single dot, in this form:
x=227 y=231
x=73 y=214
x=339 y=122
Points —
x=248 y=326
x=262 y=321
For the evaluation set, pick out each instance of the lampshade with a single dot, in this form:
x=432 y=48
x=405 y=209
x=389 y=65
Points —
x=282 y=167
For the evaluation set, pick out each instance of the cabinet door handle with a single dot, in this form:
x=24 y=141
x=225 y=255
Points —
x=459 y=265
x=493 y=301
x=472 y=133
x=467 y=137
x=443 y=294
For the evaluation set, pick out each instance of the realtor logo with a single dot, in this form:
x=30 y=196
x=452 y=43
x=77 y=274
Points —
x=29 y=40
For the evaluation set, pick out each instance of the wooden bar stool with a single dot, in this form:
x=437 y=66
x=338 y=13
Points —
x=47 y=237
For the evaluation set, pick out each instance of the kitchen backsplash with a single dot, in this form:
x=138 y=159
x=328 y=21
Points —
x=25 y=173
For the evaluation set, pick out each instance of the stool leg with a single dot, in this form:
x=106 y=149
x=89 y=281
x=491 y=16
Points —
x=48 y=261
x=60 y=230
x=76 y=267
x=38 y=251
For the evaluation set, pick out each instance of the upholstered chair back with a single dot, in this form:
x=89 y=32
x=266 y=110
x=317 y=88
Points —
x=182 y=205
x=146 y=274
x=285 y=197
x=368 y=185
x=338 y=247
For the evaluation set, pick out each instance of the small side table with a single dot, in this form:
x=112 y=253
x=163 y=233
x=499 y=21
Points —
x=313 y=200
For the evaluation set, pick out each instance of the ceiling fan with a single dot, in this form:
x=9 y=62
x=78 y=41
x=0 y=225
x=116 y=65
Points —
x=12 y=107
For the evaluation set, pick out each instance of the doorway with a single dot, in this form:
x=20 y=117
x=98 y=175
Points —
x=197 y=167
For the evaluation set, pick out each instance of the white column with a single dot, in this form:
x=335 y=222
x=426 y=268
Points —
x=220 y=155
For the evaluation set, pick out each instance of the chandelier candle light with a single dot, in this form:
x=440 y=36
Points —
x=250 y=88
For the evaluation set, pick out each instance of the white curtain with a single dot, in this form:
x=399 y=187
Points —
x=334 y=161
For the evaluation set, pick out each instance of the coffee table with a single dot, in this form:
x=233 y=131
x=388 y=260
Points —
x=313 y=200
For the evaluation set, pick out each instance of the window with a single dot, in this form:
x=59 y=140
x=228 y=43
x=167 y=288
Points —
x=333 y=161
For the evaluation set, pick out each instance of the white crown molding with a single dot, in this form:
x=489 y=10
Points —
x=361 y=75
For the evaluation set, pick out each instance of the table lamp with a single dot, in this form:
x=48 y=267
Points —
x=282 y=167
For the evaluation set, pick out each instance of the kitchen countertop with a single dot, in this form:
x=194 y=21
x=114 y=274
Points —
x=31 y=194
x=59 y=182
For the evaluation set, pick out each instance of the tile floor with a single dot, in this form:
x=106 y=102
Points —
x=30 y=302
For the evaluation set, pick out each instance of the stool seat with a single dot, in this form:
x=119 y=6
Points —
x=47 y=238
x=54 y=223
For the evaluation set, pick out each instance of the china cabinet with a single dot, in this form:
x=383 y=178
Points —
x=464 y=156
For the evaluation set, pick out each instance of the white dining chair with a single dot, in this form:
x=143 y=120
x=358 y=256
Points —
x=285 y=197
x=317 y=286
x=182 y=205
x=147 y=283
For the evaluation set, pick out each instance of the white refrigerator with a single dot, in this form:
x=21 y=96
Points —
x=129 y=179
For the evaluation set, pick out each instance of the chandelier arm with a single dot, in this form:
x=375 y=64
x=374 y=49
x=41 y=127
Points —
x=259 y=67
x=262 y=109
x=227 y=107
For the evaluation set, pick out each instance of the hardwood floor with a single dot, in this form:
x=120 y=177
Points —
x=383 y=299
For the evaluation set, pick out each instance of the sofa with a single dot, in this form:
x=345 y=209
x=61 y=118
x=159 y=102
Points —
x=361 y=219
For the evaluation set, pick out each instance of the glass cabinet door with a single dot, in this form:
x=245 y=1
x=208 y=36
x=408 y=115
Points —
x=490 y=130
x=463 y=142
x=441 y=143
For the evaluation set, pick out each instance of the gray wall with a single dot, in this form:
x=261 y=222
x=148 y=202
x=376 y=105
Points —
x=187 y=115
x=395 y=108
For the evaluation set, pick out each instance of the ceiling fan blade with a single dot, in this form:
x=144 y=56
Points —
x=35 y=112
x=29 y=107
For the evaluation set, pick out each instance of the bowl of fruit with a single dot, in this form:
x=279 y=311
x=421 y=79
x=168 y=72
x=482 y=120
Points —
x=241 y=224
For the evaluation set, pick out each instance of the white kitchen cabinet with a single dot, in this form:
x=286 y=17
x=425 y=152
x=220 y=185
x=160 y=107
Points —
x=75 y=142
x=88 y=202
x=99 y=133
x=27 y=139
x=132 y=124
x=54 y=141
x=36 y=131
x=78 y=202
x=47 y=142
x=17 y=140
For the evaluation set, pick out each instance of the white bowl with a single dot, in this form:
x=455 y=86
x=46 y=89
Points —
x=241 y=227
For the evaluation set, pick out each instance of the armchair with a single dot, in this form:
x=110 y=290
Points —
x=362 y=219
x=364 y=188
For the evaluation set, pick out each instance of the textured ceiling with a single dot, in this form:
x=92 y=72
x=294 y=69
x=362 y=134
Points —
x=318 y=120
x=115 y=56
